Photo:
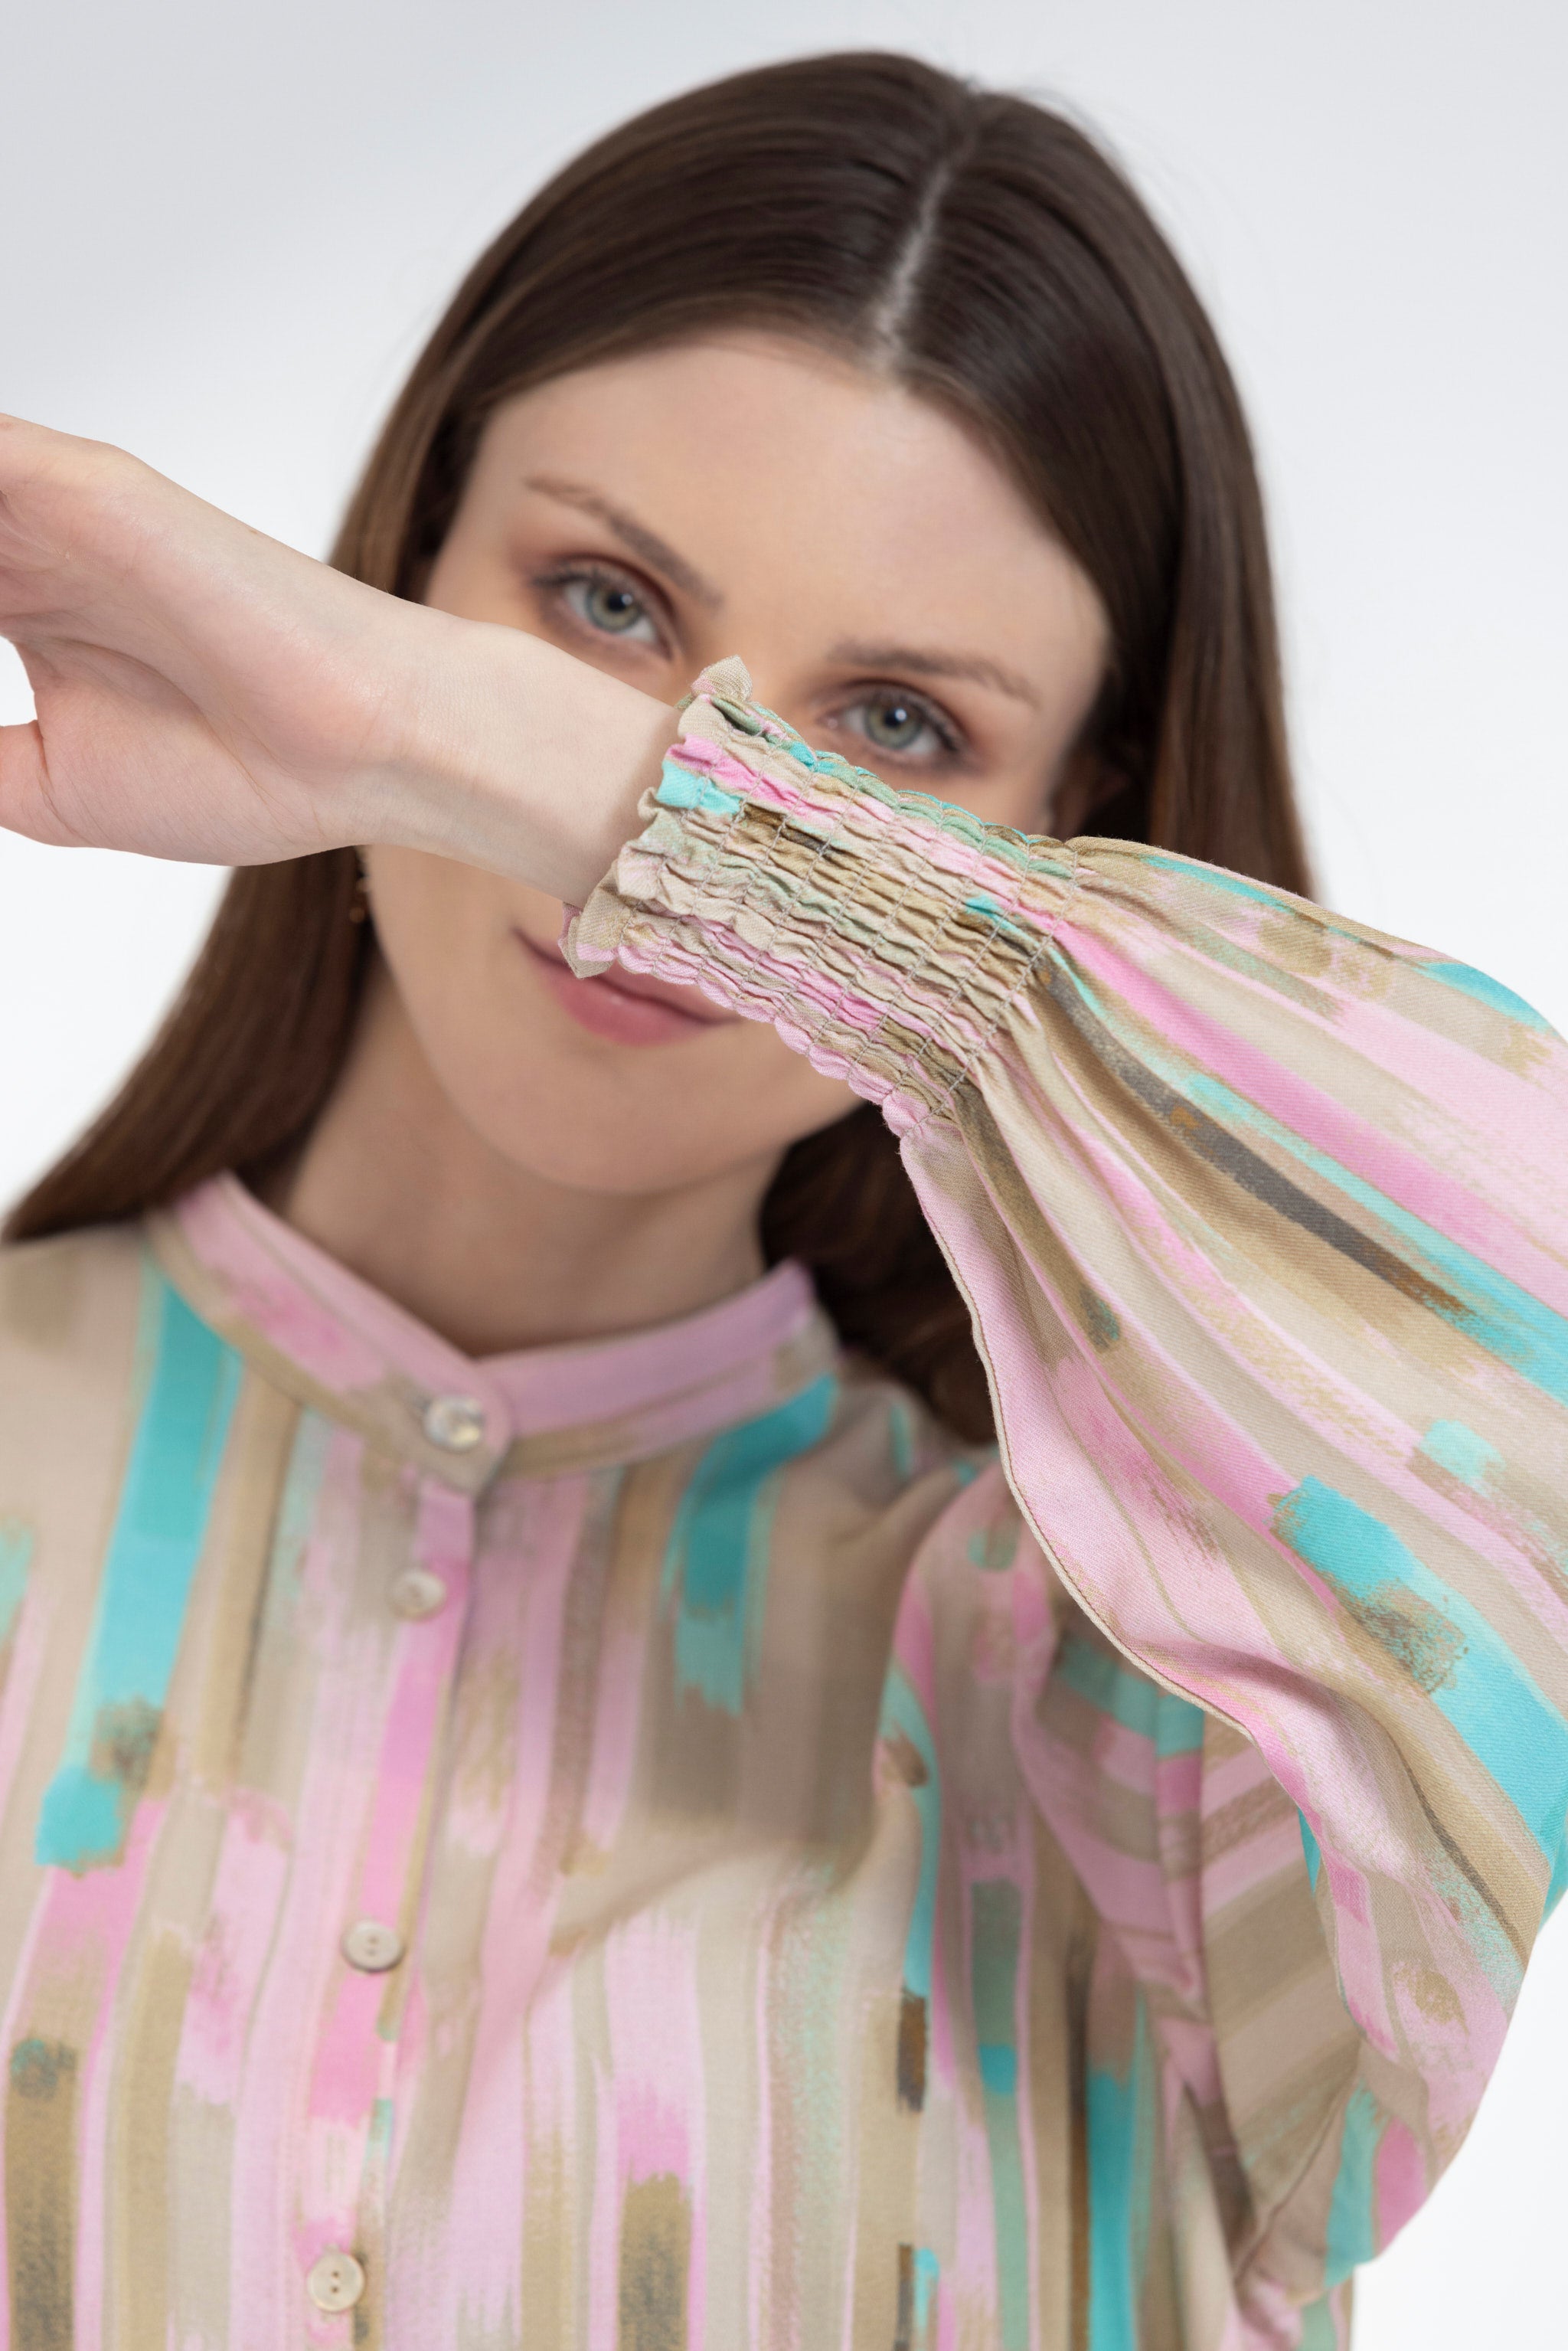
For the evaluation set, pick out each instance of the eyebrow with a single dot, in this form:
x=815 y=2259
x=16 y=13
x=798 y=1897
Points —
x=634 y=536
x=978 y=669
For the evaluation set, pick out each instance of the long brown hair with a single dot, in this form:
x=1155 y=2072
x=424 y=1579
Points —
x=981 y=249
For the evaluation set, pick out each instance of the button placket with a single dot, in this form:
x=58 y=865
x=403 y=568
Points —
x=356 y=2059
x=455 y=1423
x=417 y=1592
x=372 y=1947
x=335 y=2281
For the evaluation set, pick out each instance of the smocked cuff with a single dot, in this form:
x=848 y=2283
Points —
x=883 y=933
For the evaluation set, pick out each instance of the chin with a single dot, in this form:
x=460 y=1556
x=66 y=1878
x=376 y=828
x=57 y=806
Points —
x=608 y=1137
x=618 y=1120
x=632 y=1166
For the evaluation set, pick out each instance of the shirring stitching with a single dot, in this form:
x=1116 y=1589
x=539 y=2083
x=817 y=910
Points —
x=866 y=952
x=715 y=859
x=894 y=1003
x=1077 y=872
x=841 y=905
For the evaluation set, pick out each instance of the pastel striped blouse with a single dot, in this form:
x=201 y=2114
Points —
x=653 y=1847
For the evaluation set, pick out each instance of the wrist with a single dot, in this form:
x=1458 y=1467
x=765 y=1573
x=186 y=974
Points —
x=882 y=933
x=515 y=757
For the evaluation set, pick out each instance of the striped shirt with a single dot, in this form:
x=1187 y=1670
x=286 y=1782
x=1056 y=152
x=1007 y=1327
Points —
x=652 y=1846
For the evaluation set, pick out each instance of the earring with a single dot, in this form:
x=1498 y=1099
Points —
x=359 y=903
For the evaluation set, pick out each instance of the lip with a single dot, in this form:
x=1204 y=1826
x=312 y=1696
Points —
x=626 y=1008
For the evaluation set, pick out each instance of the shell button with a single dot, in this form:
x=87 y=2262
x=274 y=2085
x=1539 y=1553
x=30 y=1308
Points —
x=455 y=1423
x=372 y=1947
x=335 y=2281
x=417 y=1592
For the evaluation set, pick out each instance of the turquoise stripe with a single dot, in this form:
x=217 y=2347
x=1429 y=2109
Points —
x=1122 y=2120
x=1485 y=990
x=1312 y=1850
x=900 y=1439
x=679 y=788
x=995 y=1917
x=902 y=1713
x=1559 y=1882
x=1320 y=2330
x=927 y=2271
x=982 y=903
x=1174 y=1725
x=1444 y=1644
x=1505 y=1320
x=1019 y=850
x=1353 y=2210
x=1213 y=877
x=15 y=1559
x=1501 y=1317
x=715 y=1565
x=1262 y=894
x=1458 y=1450
x=159 y=1530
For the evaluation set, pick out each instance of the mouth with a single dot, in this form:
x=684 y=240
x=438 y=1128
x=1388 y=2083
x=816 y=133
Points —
x=627 y=1007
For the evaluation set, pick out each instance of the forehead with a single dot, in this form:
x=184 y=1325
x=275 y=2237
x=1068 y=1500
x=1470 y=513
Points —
x=752 y=452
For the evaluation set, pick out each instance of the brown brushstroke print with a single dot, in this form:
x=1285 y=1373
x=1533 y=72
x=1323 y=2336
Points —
x=40 y=2192
x=655 y=2261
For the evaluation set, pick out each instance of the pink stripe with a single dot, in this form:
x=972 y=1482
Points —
x=522 y=2061
x=427 y=1652
x=340 y=1751
x=1402 y=2181
x=1080 y=1455
x=351 y=2062
x=1419 y=1184
x=1274 y=1850
x=558 y=1387
x=248 y=1885
x=1291 y=1384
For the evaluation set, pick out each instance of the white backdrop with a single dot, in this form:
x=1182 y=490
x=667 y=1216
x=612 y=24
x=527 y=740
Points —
x=225 y=230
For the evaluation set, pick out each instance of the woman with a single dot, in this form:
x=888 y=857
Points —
x=553 y=1792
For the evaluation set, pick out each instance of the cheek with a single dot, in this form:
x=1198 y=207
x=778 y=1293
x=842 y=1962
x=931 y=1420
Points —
x=520 y=1074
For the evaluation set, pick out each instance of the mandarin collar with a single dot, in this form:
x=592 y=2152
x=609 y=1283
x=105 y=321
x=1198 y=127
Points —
x=327 y=1338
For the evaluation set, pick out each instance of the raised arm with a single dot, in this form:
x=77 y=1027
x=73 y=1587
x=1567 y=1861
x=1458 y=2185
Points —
x=204 y=693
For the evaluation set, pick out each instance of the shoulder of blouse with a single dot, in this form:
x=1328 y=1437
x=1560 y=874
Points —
x=57 y=1293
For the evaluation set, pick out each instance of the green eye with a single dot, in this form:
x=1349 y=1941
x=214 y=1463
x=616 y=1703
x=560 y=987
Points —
x=605 y=603
x=902 y=726
x=895 y=725
x=612 y=607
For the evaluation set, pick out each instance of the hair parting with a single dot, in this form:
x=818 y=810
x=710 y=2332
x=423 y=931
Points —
x=984 y=250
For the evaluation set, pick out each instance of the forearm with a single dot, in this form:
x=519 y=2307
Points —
x=512 y=756
x=203 y=691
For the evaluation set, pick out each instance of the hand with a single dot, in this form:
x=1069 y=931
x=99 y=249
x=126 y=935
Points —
x=204 y=693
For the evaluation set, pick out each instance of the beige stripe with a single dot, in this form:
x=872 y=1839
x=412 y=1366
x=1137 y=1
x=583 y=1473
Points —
x=41 y=2193
x=655 y=2256
x=244 y=1517
x=140 y=2224
x=150 y=2247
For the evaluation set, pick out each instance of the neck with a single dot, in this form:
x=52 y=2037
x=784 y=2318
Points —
x=397 y=1186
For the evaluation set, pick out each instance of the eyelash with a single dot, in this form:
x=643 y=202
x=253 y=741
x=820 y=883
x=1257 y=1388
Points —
x=602 y=575
x=953 y=744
